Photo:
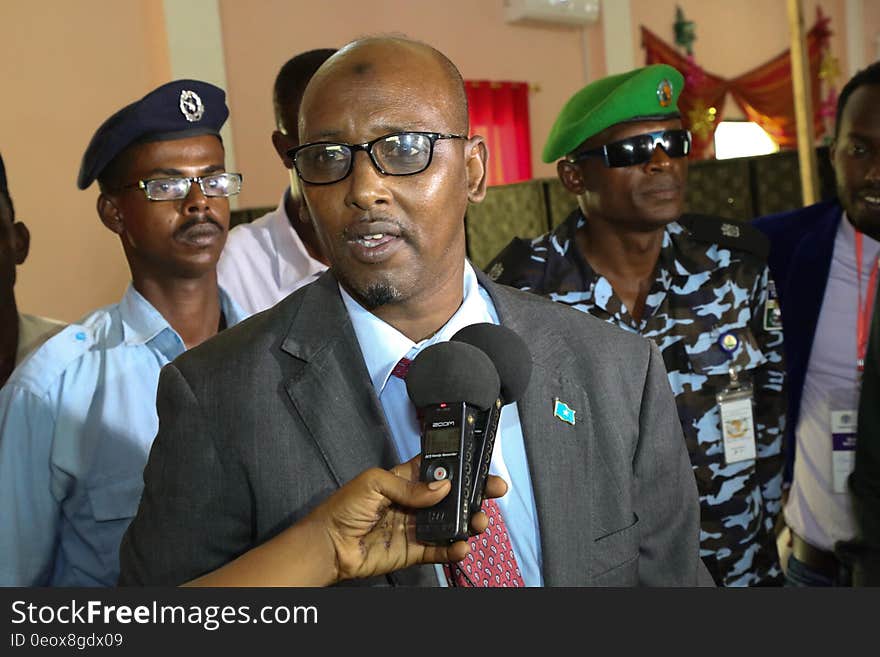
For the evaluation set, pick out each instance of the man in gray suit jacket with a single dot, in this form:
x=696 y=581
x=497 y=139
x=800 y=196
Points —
x=262 y=423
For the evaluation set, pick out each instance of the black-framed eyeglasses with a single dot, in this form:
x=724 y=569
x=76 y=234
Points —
x=397 y=154
x=639 y=148
x=172 y=189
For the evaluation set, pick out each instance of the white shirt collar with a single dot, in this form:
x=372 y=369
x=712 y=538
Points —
x=292 y=260
x=383 y=345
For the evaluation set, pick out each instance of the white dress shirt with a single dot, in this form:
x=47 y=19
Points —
x=264 y=261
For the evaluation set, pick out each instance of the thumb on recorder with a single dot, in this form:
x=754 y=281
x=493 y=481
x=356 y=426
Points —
x=365 y=528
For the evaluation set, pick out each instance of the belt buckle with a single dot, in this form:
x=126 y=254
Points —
x=822 y=561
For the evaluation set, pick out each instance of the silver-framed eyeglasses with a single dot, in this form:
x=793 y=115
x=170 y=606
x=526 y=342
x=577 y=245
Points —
x=172 y=189
x=397 y=154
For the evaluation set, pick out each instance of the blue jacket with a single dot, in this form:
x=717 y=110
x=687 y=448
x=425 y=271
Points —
x=801 y=248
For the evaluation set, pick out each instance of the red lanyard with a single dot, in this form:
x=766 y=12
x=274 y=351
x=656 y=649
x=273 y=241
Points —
x=865 y=305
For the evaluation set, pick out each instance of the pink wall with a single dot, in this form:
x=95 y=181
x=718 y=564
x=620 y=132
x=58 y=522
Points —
x=64 y=70
x=260 y=36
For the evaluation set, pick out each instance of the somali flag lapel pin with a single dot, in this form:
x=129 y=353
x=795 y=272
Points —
x=563 y=411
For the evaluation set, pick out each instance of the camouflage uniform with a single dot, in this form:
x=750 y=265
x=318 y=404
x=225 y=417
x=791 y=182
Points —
x=711 y=279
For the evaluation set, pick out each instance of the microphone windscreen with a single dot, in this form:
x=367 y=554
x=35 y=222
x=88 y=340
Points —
x=450 y=372
x=507 y=351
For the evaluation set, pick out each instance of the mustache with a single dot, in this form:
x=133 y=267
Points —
x=196 y=221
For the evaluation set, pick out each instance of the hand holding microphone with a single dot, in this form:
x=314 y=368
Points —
x=365 y=528
x=371 y=521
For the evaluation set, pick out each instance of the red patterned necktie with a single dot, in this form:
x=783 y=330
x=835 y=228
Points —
x=491 y=561
x=401 y=368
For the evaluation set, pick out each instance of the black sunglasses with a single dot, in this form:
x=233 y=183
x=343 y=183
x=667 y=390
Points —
x=639 y=148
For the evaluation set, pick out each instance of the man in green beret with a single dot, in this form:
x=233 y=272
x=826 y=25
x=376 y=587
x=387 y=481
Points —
x=698 y=286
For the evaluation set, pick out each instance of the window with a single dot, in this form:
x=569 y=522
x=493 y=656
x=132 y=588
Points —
x=742 y=139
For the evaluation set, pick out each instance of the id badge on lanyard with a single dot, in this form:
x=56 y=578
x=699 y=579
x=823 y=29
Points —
x=735 y=407
x=843 y=405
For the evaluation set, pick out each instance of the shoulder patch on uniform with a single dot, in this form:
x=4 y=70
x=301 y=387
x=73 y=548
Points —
x=505 y=266
x=729 y=233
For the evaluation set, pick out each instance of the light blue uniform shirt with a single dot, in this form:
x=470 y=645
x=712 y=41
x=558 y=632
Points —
x=383 y=346
x=77 y=419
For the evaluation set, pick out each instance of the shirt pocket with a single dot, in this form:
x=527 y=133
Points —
x=615 y=557
x=116 y=500
x=114 y=503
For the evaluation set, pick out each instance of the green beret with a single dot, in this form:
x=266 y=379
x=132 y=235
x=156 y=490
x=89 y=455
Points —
x=649 y=91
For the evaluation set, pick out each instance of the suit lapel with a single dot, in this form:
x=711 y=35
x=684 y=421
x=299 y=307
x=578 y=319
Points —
x=559 y=454
x=330 y=387
x=331 y=392
x=804 y=291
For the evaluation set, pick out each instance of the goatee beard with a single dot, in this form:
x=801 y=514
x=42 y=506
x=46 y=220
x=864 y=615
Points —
x=379 y=294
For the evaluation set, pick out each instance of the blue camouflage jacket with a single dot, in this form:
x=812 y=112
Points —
x=711 y=280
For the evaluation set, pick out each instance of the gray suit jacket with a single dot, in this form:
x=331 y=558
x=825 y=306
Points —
x=261 y=423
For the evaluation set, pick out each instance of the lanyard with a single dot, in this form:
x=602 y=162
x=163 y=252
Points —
x=864 y=305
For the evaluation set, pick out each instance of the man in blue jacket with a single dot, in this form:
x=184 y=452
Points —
x=824 y=261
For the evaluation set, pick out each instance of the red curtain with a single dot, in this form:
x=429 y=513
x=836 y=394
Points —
x=499 y=111
x=764 y=94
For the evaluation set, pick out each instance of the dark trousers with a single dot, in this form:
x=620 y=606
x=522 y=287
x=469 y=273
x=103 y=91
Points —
x=801 y=573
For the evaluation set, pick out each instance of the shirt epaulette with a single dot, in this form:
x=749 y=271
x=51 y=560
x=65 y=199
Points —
x=728 y=233
x=50 y=360
x=505 y=266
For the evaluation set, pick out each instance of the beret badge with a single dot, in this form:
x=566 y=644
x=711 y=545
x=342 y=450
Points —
x=664 y=93
x=191 y=106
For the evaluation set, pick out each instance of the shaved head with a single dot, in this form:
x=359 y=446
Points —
x=396 y=242
x=363 y=60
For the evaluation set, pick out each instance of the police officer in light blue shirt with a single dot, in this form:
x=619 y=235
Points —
x=77 y=418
